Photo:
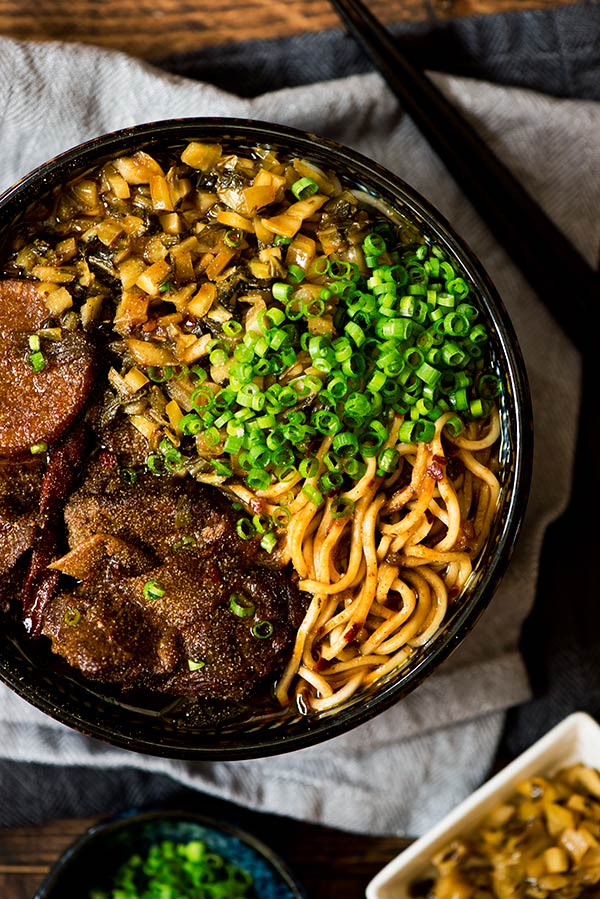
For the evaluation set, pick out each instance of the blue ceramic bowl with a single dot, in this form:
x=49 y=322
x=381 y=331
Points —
x=92 y=860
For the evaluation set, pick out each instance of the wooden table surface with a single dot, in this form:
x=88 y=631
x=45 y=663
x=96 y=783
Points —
x=155 y=28
x=328 y=863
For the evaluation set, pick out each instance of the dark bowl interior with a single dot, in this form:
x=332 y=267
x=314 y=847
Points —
x=93 y=859
x=159 y=726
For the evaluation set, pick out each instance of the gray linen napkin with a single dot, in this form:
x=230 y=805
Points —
x=402 y=771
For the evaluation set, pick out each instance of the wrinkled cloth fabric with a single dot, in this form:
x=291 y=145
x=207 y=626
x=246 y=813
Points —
x=403 y=770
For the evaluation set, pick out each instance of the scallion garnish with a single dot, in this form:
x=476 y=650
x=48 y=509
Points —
x=155 y=463
x=233 y=238
x=295 y=274
x=72 y=616
x=195 y=664
x=304 y=187
x=37 y=361
x=342 y=507
x=263 y=630
x=404 y=343
x=187 y=541
x=37 y=448
x=245 y=529
x=153 y=590
x=241 y=606
x=159 y=375
x=268 y=541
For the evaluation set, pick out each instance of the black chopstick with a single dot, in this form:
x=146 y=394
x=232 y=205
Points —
x=558 y=273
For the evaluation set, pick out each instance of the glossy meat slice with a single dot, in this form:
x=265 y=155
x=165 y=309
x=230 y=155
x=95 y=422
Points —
x=157 y=563
x=65 y=461
x=20 y=485
x=37 y=406
x=19 y=499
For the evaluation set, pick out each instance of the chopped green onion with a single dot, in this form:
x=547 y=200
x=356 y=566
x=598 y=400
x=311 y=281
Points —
x=489 y=386
x=155 y=463
x=37 y=361
x=478 y=334
x=159 y=375
x=458 y=287
x=233 y=238
x=258 y=479
x=72 y=616
x=153 y=590
x=342 y=507
x=231 y=328
x=295 y=274
x=188 y=540
x=263 y=630
x=388 y=459
x=195 y=664
x=268 y=541
x=326 y=422
x=345 y=444
x=304 y=188
x=454 y=425
x=374 y=244
x=458 y=399
x=308 y=467
x=314 y=309
x=37 y=448
x=222 y=470
x=281 y=516
x=355 y=468
x=312 y=494
x=241 y=606
x=356 y=333
x=173 y=459
x=330 y=481
x=245 y=529
x=282 y=291
x=190 y=424
x=170 y=869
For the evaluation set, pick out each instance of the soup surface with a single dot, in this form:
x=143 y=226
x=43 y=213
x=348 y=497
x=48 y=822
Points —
x=248 y=428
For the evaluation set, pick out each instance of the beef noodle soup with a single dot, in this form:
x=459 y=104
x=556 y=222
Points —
x=248 y=428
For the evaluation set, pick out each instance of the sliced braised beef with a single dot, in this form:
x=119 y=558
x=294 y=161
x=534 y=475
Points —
x=37 y=406
x=20 y=484
x=19 y=499
x=65 y=461
x=166 y=595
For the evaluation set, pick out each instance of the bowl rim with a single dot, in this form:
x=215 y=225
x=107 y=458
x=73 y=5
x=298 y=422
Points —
x=269 y=742
x=574 y=738
x=121 y=821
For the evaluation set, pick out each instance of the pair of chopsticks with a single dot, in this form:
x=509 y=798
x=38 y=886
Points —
x=557 y=272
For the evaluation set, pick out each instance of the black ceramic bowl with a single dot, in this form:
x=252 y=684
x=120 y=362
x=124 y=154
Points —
x=159 y=727
x=92 y=861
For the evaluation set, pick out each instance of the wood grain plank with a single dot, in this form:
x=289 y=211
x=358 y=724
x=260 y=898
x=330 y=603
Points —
x=163 y=27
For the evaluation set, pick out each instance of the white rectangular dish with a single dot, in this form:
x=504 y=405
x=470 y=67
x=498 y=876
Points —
x=575 y=739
